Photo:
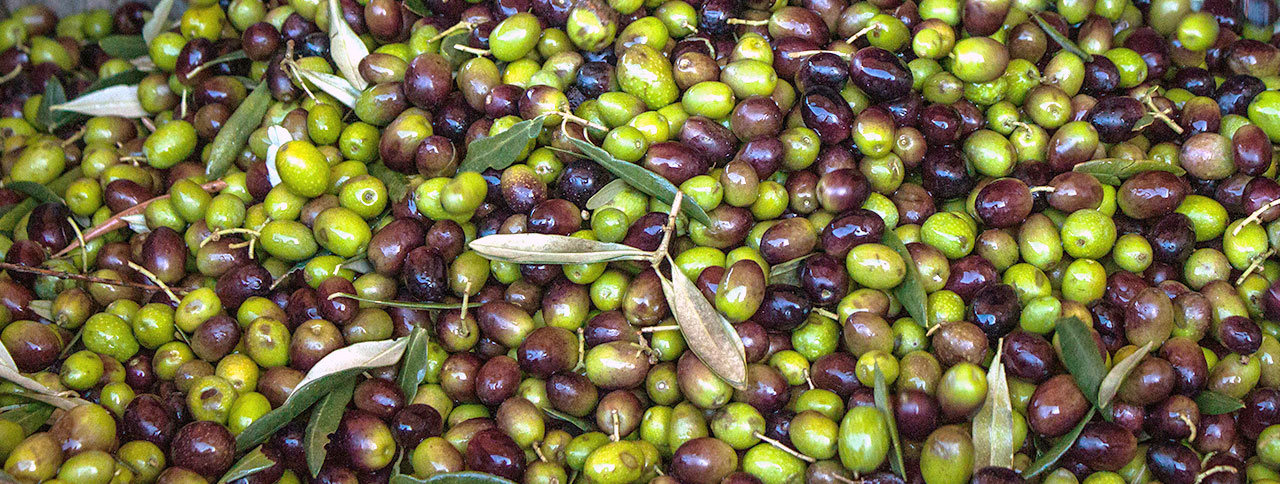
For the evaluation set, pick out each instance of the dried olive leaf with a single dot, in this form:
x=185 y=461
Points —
x=30 y=416
x=646 y=181
x=119 y=101
x=342 y=90
x=1113 y=171
x=1081 y=356
x=54 y=95
x=414 y=368
x=911 y=291
x=552 y=249
x=466 y=477
x=124 y=46
x=324 y=421
x=606 y=194
x=231 y=139
x=397 y=184
x=35 y=190
x=501 y=150
x=346 y=48
x=39 y=393
x=1111 y=383
x=992 y=440
x=581 y=423
x=881 y=397
x=403 y=304
x=710 y=336
x=1060 y=39
x=330 y=371
x=158 y=22
x=1214 y=403
x=252 y=463
x=1051 y=456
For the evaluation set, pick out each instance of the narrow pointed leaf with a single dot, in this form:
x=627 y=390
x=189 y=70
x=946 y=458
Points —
x=159 y=21
x=397 y=184
x=129 y=77
x=581 y=423
x=1081 y=356
x=1060 y=39
x=346 y=47
x=881 y=396
x=331 y=370
x=252 y=463
x=637 y=176
x=501 y=150
x=119 y=101
x=1060 y=448
x=1214 y=403
x=231 y=139
x=39 y=392
x=124 y=46
x=1111 y=383
x=54 y=95
x=324 y=421
x=449 y=48
x=414 y=368
x=787 y=272
x=992 y=440
x=911 y=291
x=35 y=190
x=606 y=193
x=466 y=477
x=416 y=6
x=710 y=336
x=341 y=89
x=552 y=249
x=1113 y=171
x=30 y=416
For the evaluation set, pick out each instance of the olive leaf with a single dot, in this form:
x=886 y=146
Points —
x=787 y=272
x=44 y=309
x=553 y=249
x=606 y=193
x=1214 y=403
x=30 y=416
x=131 y=76
x=449 y=48
x=277 y=136
x=252 y=463
x=324 y=421
x=403 y=304
x=54 y=95
x=10 y=215
x=992 y=440
x=1060 y=448
x=710 y=336
x=158 y=22
x=346 y=47
x=911 y=291
x=881 y=396
x=1111 y=383
x=1081 y=356
x=581 y=423
x=124 y=46
x=119 y=101
x=417 y=7
x=414 y=368
x=335 y=86
x=39 y=393
x=646 y=181
x=1113 y=171
x=230 y=141
x=1058 y=38
x=35 y=190
x=466 y=477
x=501 y=150
x=397 y=184
x=331 y=370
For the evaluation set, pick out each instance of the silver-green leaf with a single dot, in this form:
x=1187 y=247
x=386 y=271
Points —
x=158 y=22
x=552 y=249
x=1111 y=383
x=709 y=335
x=346 y=47
x=501 y=150
x=992 y=440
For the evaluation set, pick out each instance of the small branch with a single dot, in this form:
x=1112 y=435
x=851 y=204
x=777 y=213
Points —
x=84 y=253
x=1256 y=216
x=783 y=447
x=655 y=329
x=1254 y=264
x=81 y=277
x=463 y=25
x=753 y=23
x=472 y=50
x=152 y=276
x=575 y=118
x=666 y=233
x=865 y=30
x=827 y=314
x=117 y=221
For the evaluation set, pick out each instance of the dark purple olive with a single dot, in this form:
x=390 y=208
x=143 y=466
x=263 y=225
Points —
x=1173 y=463
x=880 y=73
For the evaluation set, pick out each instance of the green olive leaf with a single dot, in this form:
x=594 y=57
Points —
x=416 y=6
x=467 y=477
x=501 y=150
x=992 y=440
x=881 y=396
x=54 y=95
x=158 y=22
x=10 y=215
x=911 y=291
x=403 y=304
x=30 y=416
x=35 y=190
x=345 y=47
x=1214 y=403
x=787 y=272
x=330 y=371
x=1059 y=449
x=124 y=46
x=1058 y=38
x=553 y=249
x=131 y=77
x=252 y=463
x=397 y=183
x=121 y=100
x=449 y=48
x=650 y=183
x=414 y=368
x=1081 y=356
x=606 y=193
x=324 y=421
x=1111 y=383
x=231 y=139
x=581 y=423
x=341 y=89
x=710 y=336
x=1113 y=171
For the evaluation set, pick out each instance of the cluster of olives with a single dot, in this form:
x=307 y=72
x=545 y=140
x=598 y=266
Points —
x=904 y=199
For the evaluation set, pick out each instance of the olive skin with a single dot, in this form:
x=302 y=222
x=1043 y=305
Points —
x=1056 y=406
x=204 y=447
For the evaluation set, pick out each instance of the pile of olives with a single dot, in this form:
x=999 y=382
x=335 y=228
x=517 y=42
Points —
x=960 y=241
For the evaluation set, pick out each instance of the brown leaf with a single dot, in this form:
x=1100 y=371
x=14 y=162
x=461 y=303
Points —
x=710 y=336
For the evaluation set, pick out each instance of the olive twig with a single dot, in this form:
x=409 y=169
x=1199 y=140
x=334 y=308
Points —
x=804 y=53
x=75 y=137
x=84 y=254
x=538 y=451
x=1159 y=114
x=213 y=237
x=742 y=21
x=1254 y=263
x=71 y=344
x=687 y=26
x=1256 y=216
x=658 y=253
x=710 y=47
x=783 y=447
x=655 y=329
x=1191 y=425
x=12 y=74
x=580 y=120
x=466 y=299
x=182 y=107
x=826 y=314
x=79 y=277
x=865 y=30
x=117 y=221
x=617 y=426
x=1045 y=188
x=463 y=25
x=472 y=50
x=155 y=279
x=808 y=379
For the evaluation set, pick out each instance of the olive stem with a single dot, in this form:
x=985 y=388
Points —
x=710 y=47
x=1254 y=264
x=753 y=23
x=1046 y=188
x=463 y=25
x=783 y=447
x=687 y=26
x=804 y=53
x=613 y=414
x=932 y=329
x=466 y=299
x=74 y=138
x=1192 y=425
x=582 y=348
x=846 y=480
x=182 y=107
x=79 y=277
x=11 y=75
x=84 y=254
x=117 y=221
x=147 y=123
x=1256 y=216
x=152 y=276
x=74 y=339
x=655 y=329
x=213 y=237
x=826 y=314
x=1159 y=114
x=857 y=35
x=472 y=50
x=537 y=451
x=1212 y=470
x=808 y=379
x=658 y=254
x=583 y=121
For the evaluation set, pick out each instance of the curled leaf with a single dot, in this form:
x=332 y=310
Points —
x=552 y=249
x=992 y=440
x=158 y=22
x=324 y=421
x=646 y=181
x=119 y=101
x=710 y=336
x=231 y=139
x=787 y=272
x=341 y=89
x=1111 y=383
x=501 y=150
x=1081 y=356
x=346 y=47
